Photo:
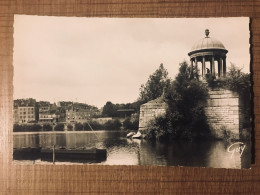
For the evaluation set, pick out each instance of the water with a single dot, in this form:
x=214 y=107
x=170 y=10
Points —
x=123 y=151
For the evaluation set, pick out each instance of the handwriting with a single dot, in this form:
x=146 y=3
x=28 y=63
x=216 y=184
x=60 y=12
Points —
x=237 y=147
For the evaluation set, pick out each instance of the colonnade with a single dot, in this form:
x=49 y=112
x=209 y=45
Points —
x=212 y=70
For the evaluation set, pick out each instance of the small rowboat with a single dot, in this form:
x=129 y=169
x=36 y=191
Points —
x=138 y=135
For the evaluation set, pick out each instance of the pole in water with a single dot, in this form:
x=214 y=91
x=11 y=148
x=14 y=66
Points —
x=92 y=130
x=53 y=154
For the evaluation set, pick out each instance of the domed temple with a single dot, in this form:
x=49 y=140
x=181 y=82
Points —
x=209 y=50
x=223 y=108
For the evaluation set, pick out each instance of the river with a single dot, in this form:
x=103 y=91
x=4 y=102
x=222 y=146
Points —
x=123 y=151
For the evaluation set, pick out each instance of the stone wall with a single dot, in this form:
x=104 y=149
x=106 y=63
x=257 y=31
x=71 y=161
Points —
x=223 y=113
x=150 y=110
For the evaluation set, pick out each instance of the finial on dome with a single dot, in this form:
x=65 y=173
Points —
x=207 y=32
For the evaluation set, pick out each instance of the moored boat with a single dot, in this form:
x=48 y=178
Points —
x=138 y=135
x=60 y=154
x=130 y=134
x=79 y=155
x=26 y=153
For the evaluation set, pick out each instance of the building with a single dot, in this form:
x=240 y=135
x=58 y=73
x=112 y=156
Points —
x=44 y=106
x=123 y=113
x=16 y=115
x=209 y=50
x=80 y=113
x=26 y=114
x=150 y=110
x=48 y=118
x=24 y=110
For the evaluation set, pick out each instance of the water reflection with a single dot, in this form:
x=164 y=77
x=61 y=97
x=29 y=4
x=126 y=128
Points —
x=123 y=151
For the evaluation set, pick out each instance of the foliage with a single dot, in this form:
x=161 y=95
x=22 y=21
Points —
x=238 y=81
x=109 y=109
x=185 y=117
x=235 y=80
x=95 y=125
x=131 y=124
x=158 y=128
x=112 y=125
x=59 y=127
x=186 y=101
x=70 y=127
x=78 y=127
x=27 y=128
x=47 y=127
x=155 y=85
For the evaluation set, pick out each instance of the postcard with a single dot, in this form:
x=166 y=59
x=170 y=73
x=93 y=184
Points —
x=132 y=91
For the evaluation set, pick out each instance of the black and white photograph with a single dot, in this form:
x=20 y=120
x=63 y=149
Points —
x=132 y=91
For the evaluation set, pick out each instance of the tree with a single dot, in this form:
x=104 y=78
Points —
x=185 y=117
x=109 y=110
x=186 y=101
x=131 y=123
x=70 y=127
x=235 y=80
x=59 y=127
x=112 y=125
x=47 y=127
x=155 y=85
x=238 y=81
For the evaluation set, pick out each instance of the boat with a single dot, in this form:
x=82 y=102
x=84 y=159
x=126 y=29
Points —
x=138 y=135
x=60 y=154
x=130 y=134
x=26 y=153
x=76 y=155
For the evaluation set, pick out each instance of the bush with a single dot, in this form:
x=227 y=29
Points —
x=35 y=127
x=158 y=128
x=17 y=128
x=78 y=127
x=59 y=127
x=131 y=124
x=70 y=127
x=47 y=127
x=27 y=128
x=112 y=125
x=95 y=125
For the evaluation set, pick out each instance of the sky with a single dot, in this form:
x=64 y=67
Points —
x=95 y=60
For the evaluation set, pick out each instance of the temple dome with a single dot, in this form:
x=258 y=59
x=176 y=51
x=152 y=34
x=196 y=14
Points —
x=207 y=43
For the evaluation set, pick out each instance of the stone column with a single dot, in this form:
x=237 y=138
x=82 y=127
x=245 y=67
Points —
x=213 y=66
x=203 y=67
x=220 y=68
x=191 y=63
x=196 y=67
x=210 y=67
x=224 y=67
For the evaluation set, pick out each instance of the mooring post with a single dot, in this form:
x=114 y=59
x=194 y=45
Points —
x=53 y=154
